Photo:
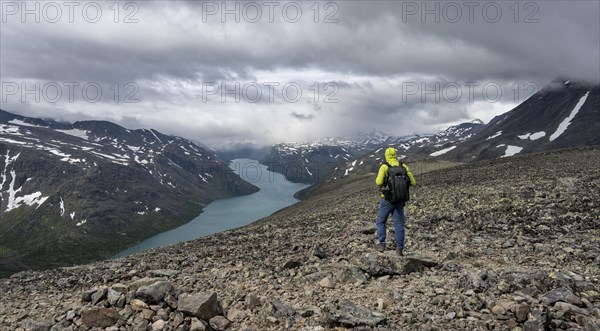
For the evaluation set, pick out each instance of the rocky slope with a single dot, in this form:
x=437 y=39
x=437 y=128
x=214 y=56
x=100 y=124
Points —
x=74 y=193
x=508 y=244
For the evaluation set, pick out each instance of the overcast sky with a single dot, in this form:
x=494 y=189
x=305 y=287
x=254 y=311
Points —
x=285 y=71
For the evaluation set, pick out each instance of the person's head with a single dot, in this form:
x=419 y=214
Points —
x=390 y=153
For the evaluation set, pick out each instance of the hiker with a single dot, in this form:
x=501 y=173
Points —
x=396 y=208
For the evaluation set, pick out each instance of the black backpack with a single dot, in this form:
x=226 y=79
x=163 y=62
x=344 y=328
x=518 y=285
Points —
x=395 y=188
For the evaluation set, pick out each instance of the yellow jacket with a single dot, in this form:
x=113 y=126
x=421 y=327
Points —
x=390 y=157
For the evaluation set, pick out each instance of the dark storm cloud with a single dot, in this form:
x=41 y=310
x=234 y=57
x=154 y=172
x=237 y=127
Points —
x=375 y=38
x=523 y=40
x=171 y=53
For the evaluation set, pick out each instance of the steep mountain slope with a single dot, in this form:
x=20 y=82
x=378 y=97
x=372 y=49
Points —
x=72 y=193
x=563 y=114
x=506 y=244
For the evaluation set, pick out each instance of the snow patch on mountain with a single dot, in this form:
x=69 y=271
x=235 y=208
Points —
x=19 y=122
x=203 y=178
x=133 y=148
x=443 y=151
x=348 y=171
x=308 y=171
x=7 y=161
x=62 y=207
x=495 y=135
x=532 y=136
x=112 y=158
x=562 y=127
x=76 y=133
x=155 y=136
x=12 y=141
x=13 y=200
x=10 y=129
x=510 y=150
x=140 y=161
x=28 y=199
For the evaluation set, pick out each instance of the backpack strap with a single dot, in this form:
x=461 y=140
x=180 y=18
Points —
x=387 y=173
x=389 y=165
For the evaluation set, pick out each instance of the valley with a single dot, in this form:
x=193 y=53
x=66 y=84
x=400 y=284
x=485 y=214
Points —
x=75 y=193
x=499 y=244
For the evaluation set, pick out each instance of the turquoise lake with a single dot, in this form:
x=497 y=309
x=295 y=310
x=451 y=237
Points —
x=275 y=193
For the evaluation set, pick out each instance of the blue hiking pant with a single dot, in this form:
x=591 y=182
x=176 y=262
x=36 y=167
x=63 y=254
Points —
x=397 y=210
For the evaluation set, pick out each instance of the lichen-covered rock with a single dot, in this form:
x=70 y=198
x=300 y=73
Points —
x=561 y=294
x=537 y=321
x=379 y=264
x=219 y=323
x=348 y=314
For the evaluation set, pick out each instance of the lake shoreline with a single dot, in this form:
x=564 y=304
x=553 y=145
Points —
x=275 y=193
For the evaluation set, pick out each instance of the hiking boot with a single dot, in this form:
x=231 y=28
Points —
x=380 y=247
x=399 y=252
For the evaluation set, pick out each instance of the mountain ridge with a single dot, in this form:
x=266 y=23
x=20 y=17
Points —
x=78 y=192
x=319 y=160
x=534 y=125
x=563 y=104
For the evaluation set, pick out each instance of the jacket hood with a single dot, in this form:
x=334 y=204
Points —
x=390 y=156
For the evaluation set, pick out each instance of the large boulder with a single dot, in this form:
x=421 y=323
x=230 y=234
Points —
x=135 y=285
x=378 y=264
x=99 y=317
x=416 y=264
x=342 y=312
x=202 y=305
x=155 y=292
x=383 y=264
x=561 y=294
